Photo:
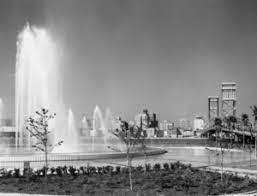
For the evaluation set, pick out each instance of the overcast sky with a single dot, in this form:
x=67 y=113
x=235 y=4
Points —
x=166 y=55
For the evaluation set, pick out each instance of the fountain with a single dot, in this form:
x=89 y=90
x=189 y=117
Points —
x=38 y=86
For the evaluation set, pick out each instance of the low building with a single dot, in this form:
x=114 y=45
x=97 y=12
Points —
x=166 y=127
x=198 y=123
x=185 y=124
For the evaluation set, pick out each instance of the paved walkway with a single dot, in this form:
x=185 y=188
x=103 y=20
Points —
x=22 y=194
x=242 y=168
x=251 y=193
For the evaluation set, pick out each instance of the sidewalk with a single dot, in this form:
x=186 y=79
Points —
x=251 y=193
x=23 y=194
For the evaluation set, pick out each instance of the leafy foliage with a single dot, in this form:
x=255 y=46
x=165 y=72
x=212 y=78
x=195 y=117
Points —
x=182 y=178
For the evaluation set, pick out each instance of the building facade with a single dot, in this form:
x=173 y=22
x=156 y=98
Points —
x=228 y=99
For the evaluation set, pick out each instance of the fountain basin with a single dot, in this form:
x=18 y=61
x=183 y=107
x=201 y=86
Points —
x=61 y=159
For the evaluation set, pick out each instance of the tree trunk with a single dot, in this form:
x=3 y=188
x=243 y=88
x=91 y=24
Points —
x=145 y=160
x=46 y=162
x=129 y=167
x=216 y=138
x=221 y=175
x=251 y=150
x=130 y=176
x=255 y=146
x=222 y=152
x=243 y=138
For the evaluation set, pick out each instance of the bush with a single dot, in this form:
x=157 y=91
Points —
x=172 y=166
x=166 y=166
x=17 y=173
x=157 y=167
x=99 y=170
x=177 y=165
x=72 y=171
x=118 y=169
x=148 y=167
x=91 y=170
x=59 y=171
x=109 y=169
x=43 y=171
x=53 y=170
x=65 y=170
x=125 y=170
x=27 y=172
x=37 y=172
x=139 y=169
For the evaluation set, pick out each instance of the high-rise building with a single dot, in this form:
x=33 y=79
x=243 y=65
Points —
x=228 y=98
x=213 y=108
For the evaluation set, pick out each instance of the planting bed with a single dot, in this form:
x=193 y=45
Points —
x=167 y=179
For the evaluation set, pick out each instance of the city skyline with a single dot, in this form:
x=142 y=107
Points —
x=167 y=56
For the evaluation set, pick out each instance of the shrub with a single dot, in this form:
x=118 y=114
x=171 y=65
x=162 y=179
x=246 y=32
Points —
x=65 y=170
x=166 y=166
x=177 y=165
x=27 y=172
x=99 y=170
x=125 y=170
x=3 y=172
x=91 y=170
x=72 y=171
x=172 y=166
x=53 y=170
x=44 y=171
x=148 y=167
x=9 y=173
x=108 y=169
x=17 y=173
x=157 y=167
x=139 y=168
x=59 y=171
x=37 y=172
x=118 y=169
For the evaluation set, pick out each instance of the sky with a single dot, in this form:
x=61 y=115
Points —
x=167 y=55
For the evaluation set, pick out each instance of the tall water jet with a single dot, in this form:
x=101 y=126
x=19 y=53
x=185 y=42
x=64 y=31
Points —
x=71 y=138
x=98 y=121
x=108 y=121
x=37 y=81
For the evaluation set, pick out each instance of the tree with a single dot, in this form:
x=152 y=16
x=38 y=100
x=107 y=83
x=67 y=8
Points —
x=245 y=123
x=254 y=114
x=38 y=128
x=232 y=120
x=132 y=136
x=217 y=126
x=219 y=140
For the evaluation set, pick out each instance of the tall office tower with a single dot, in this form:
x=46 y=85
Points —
x=213 y=107
x=228 y=98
